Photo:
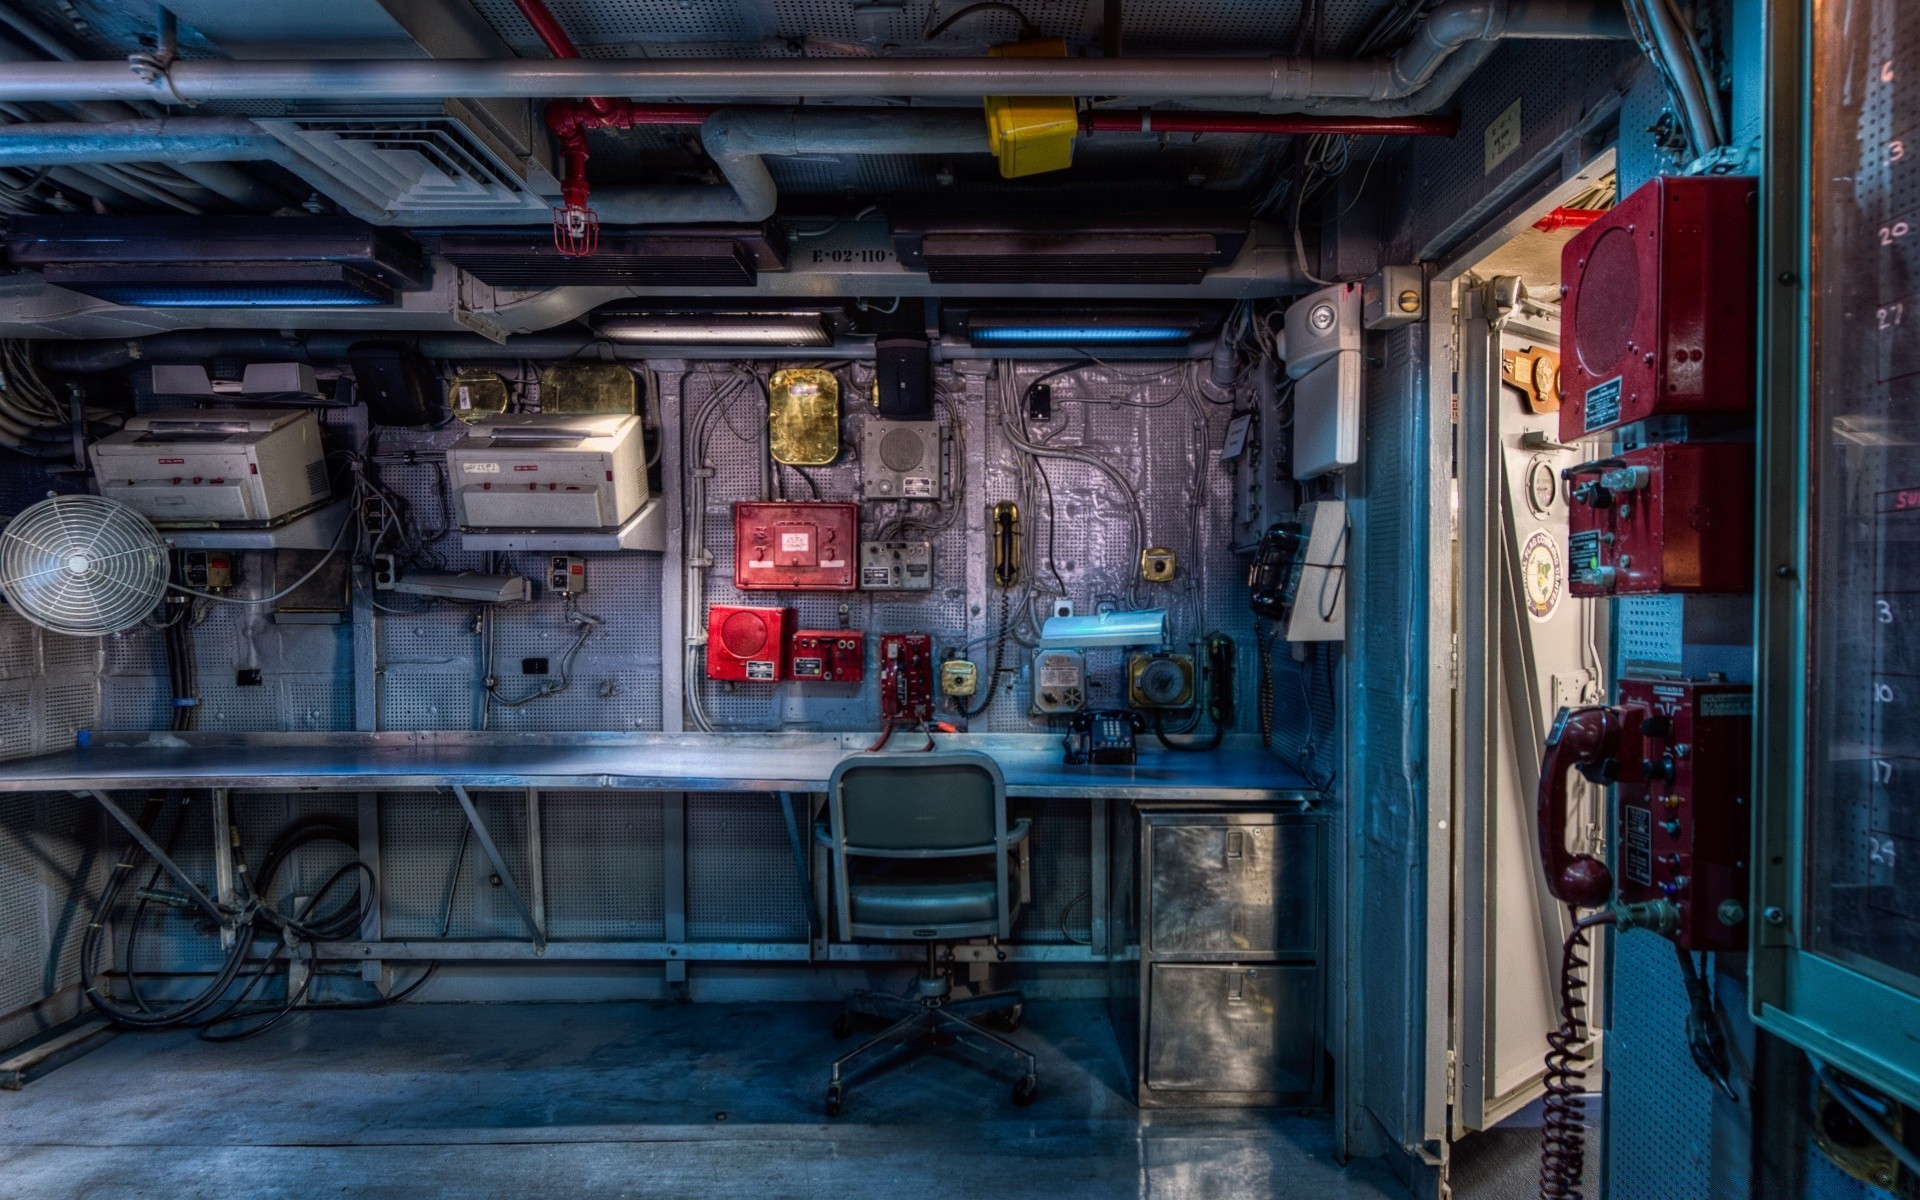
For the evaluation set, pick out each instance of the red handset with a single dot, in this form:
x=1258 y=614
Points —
x=1586 y=738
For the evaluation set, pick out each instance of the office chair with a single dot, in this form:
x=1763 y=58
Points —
x=921 y=852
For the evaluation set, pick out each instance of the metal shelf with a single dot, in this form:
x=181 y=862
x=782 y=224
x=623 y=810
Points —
x=644 y=530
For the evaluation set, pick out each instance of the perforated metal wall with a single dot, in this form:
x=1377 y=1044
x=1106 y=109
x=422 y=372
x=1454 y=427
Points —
x=51 y=861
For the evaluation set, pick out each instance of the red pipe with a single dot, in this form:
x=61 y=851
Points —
x=549 y=28
x=1102 y=120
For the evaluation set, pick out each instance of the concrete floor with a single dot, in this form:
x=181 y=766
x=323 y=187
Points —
x=676 y=1100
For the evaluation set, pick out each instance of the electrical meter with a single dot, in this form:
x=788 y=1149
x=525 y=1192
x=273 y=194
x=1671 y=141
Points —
x=225 y=467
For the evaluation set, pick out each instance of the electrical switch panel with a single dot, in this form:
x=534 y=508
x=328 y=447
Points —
x=1658 y=311
x=1673 y=517
x=566 y=575
x=207 y=570
x=906 y=678
x=1683 y=805
x=896 y=566
x=747 y=644
x=829 y=655
x=795 y=546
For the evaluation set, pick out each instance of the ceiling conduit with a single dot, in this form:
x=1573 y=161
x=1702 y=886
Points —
x=1291 y=81
x=737 y=139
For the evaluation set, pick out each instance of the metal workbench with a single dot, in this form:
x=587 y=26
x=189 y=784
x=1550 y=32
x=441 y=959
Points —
x=685 y=762
x=230 y=765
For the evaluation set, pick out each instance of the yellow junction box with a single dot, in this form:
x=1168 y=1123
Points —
x=1032 y=134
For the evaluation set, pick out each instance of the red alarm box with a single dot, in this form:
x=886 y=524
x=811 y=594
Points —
x=796 y=546
x=1657 y=316
x=906 y=677
x=829 y=655
x=748 y=644
x=1676 y=517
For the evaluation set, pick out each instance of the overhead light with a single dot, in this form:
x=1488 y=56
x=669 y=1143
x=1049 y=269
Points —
x=1079 y=325
x=221 y=262
x=1080 y=335
x=809 y=328
x=1144 y=627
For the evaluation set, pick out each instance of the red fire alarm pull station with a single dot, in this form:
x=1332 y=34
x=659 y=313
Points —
x=796 y=546
x=1658 y=308
x=747 y=644
x=1675 y=517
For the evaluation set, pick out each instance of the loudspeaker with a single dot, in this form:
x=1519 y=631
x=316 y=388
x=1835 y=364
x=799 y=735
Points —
x=397 y=383
x=902 y=370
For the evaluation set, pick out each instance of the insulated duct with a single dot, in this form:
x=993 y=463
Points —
x=1287 y=81
x=734 y=138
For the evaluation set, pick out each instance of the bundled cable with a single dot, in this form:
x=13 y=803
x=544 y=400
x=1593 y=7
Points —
x=335 y=911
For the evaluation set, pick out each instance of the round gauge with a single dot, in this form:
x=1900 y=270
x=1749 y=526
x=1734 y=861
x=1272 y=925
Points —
x=1321 y=317
x=1543 y=487
x=1540 y=574
x=1546 y=380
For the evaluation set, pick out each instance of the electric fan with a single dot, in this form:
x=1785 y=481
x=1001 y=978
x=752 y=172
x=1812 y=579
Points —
x=82 y=565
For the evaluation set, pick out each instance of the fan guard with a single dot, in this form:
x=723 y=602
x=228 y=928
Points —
x=82 y=565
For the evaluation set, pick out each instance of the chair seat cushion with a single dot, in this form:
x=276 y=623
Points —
x=923 y=904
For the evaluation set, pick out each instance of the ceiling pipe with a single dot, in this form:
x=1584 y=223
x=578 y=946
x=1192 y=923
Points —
x=736 y=140
x=1292 y=80
x=1146 y=120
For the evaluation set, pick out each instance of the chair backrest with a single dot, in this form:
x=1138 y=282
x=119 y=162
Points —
x=942 y=816
x=929 y=802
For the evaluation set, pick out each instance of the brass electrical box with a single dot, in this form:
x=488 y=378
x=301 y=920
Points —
x=589 y=388
x=803 y=417
x=1160 y=681
x=474 y=395
x=1157 y=564
x=959 y=678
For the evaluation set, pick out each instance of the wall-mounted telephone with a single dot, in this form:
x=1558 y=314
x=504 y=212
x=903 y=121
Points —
x=1106 y=737
x=1676 y=754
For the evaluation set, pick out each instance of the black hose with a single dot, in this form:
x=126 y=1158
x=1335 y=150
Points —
x=332 y=913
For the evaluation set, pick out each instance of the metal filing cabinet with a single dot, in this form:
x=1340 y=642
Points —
x=1224 y=1006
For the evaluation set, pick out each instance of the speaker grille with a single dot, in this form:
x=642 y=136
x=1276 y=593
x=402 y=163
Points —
x=743 y=635
x=902 y=449
x=1609 y=302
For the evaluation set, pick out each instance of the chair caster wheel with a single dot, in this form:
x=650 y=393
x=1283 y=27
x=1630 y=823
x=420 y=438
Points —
x=1026 y=1091
x=1011 y=1018
x=833 y=1100
x=843 y=1027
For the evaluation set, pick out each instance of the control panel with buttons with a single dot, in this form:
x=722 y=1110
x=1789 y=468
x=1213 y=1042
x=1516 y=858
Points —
x=1673 y=517
x=1684 y=805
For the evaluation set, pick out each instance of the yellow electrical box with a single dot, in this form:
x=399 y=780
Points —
x=1032 y=134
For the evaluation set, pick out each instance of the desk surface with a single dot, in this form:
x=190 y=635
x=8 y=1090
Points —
x=684 y=762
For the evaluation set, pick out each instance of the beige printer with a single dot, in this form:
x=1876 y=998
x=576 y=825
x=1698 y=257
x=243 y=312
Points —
x=549 y=471
x=227 y=466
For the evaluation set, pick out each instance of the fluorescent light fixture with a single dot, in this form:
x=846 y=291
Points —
x=717 y=328
x=1147 y=627
x=189 y=295
x=1080 y=335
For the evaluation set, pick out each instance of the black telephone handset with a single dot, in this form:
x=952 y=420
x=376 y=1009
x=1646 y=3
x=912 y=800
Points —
x=1104 y=737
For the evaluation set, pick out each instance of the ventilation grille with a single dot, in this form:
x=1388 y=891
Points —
x=408 y=165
